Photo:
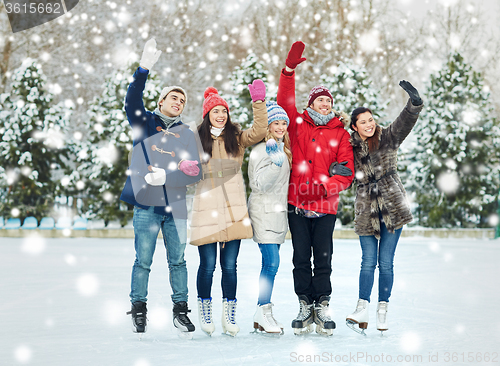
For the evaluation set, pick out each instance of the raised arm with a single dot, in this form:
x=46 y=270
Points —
x=286 y=87
x=134 y=106
x=403 y=124
x=258 y=130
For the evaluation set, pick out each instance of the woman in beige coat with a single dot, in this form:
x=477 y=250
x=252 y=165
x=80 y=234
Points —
x=220 y=214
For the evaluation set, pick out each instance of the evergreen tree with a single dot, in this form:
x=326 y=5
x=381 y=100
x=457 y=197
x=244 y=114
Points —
x=33 y=151
x=103 y=156
x=351 y=87
x=455 y=162
x=240 y=103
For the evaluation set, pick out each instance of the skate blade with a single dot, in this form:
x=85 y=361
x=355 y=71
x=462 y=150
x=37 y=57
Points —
x=267 y=334
x=324 y=332
x=355 y=327
x=301 y=331
x=184 y=335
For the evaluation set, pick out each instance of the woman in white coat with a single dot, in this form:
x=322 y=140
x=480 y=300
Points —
x=269 y=174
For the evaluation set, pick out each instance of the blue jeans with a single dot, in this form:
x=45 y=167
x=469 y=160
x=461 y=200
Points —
x=270 y=264
x=147 y=225
x=381 y=252
x=208 y=258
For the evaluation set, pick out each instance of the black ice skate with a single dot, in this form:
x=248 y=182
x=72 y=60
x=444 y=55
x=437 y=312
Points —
x=303 y=324
x=324 y=323
x=181 y=320
x=139 y=319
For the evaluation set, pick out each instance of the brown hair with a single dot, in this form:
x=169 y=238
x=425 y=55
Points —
x=230 y=135
x=373 y=140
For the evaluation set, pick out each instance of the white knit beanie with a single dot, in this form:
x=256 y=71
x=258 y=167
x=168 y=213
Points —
x=168 y=89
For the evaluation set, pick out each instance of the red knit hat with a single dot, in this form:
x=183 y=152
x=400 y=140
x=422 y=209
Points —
x=212 y=99
x=317 y=91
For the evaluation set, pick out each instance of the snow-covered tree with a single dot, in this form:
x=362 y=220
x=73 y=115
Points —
x=455 y=164
x=103 y=156
x=33 y=151
x=351 y=87
x=240 y=102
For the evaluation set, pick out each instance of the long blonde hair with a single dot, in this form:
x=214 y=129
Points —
x=287 y=145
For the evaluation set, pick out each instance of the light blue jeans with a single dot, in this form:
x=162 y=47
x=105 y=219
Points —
x=270 y=265
x=147 y=225
x=381 y=252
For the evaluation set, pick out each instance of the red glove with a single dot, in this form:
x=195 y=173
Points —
x=257 y=90
x=189 y=167
x=295 y=55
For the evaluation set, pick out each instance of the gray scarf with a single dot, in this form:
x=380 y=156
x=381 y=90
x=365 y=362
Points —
x=168 y=121
x=318 y=118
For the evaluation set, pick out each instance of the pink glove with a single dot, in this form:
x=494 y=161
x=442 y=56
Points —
x=189 y=167
x=295 y=55
x=257 y=90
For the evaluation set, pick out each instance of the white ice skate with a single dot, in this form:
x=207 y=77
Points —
x=229 y=317
x=358 y=321
x=206 y=316
x=264 y=321
x=382 y=322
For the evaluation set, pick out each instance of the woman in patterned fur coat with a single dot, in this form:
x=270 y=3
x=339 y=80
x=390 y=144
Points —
x=381 y=207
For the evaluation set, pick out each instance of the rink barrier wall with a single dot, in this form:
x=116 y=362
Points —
x=344 y=233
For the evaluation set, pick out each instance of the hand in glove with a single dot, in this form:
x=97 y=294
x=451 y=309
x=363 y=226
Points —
x=295 y=55
x=150 y=55
x=257 y=90
x=157 y=177
x=412 y=92
x=189 y=167
x=275 y=152
x=340 y=169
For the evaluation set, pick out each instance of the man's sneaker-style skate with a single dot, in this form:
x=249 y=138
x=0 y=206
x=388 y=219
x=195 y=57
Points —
x=206 y=315
x=180 y=318
x=303 y=323
x=358 y=321
x=139 y=319
x=324 y=323
x=229 y=317
x=264 y=321
x=382 y=322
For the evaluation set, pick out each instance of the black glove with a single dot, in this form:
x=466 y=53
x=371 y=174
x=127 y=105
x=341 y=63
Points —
x=340 y=169
x=412 y=92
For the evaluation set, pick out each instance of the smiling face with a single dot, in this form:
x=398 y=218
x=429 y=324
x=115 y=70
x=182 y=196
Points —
x=278 y=129
x=173 y=104
x=218 y=116
x=365 y=125
x=322 y=105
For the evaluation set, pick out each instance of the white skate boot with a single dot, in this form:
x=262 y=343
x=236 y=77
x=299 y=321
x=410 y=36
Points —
x=382 y=322
x=358 y=321
x=205 y=315
x=303 y=324
x=324 y=323
x=264 y=321
x=229 y=317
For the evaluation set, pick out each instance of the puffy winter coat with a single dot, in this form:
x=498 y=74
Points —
x=150 y=132
x=314 y=149
x=379 y=187
x=268 y=201
x=220 y=212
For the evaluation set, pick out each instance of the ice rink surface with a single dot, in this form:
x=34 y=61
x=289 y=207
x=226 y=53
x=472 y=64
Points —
x=63 y=302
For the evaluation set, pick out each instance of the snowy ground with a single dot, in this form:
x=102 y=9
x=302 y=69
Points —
x=63 y=302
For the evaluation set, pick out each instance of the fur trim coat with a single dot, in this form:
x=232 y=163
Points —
x=380 y=190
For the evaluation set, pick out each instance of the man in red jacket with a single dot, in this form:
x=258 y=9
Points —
x=322 y=166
